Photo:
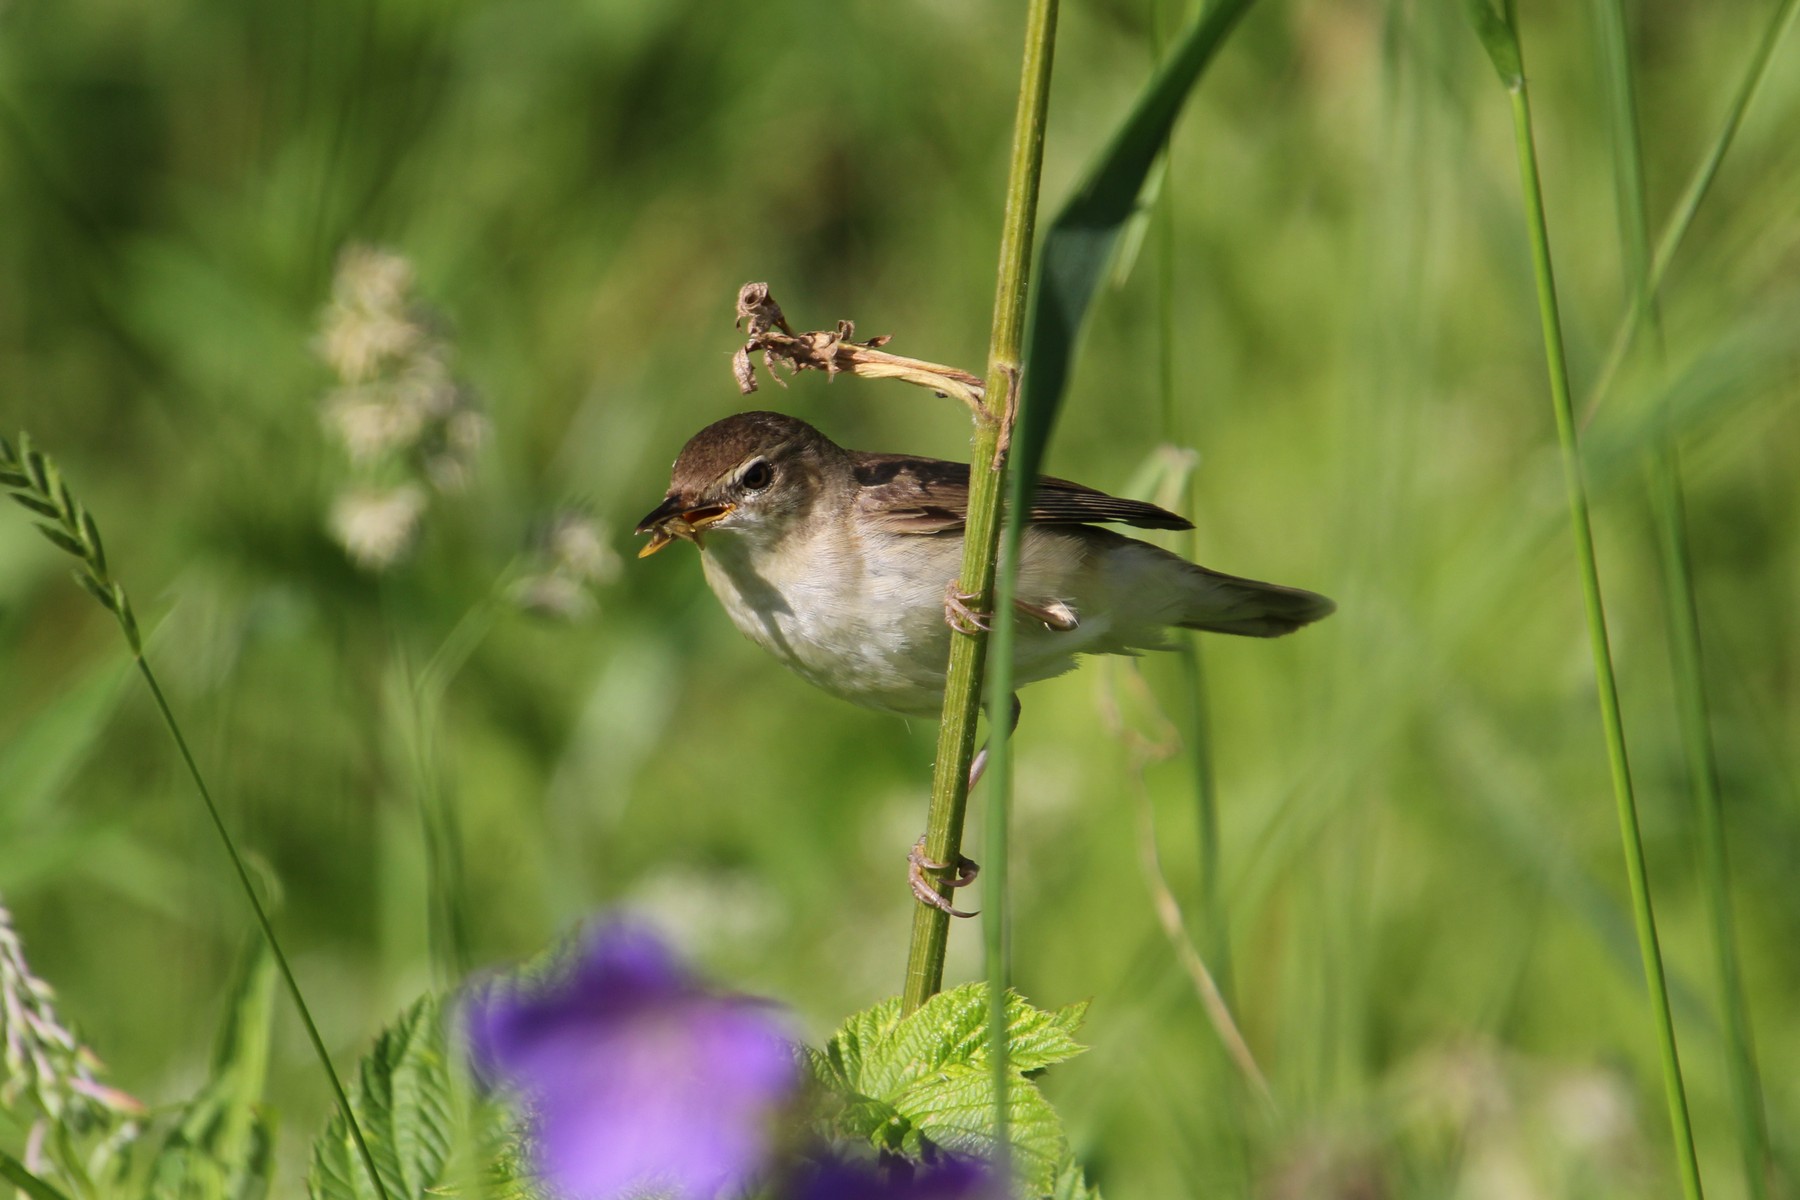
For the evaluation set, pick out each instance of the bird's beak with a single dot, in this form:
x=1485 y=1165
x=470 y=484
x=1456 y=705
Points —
x=677 y=517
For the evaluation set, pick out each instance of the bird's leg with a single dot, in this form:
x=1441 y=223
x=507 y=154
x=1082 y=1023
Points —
x=979 y=765
x=965 y=867
x=916 y=866
x=959 y=616
x=1055 y=616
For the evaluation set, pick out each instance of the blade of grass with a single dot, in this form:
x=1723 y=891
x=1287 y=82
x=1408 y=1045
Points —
x=1081 y=240
x=1680 y=610
x=34 y=482
x=14 y=1172
x=1499 y=35
x=1197 y=732
x=1698 y=186
x=1077 y=250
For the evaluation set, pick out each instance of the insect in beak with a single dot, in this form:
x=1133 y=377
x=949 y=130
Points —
x=671 y=520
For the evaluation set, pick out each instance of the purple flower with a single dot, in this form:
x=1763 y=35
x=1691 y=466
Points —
x=946 y=1179
x=633 y=1074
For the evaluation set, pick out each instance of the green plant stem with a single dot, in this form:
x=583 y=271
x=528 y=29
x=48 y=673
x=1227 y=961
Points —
x=1675 y=230
x=1681 y=611
x=962 y=687
x=1703 y=776
x=14 y=1172
x=1197 y=736
x=1648 y=946
x=268 y=929
x=1004 y=357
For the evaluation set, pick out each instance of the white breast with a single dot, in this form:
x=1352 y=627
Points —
x=858 y=621
x=863 y=616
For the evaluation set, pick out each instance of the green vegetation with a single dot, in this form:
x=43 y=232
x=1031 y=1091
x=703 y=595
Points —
x=444 y=722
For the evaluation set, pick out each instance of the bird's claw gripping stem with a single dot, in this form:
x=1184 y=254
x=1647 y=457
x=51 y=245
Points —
x=917 y=865
x=959 y=616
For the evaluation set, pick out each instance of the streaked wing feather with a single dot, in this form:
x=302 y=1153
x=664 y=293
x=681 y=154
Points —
x=904 y=494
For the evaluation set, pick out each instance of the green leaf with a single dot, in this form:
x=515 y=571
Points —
x=927 y=1078
x=221 y=1146
x=427 y=1131
x=954 y=1110
x=1082 y=238
x=1036 y=1039
x=877 y=1053
x=1071 y=1183
x=848 y=1051
x=1499 y=38
x=14 y=1172
x=402 y=1101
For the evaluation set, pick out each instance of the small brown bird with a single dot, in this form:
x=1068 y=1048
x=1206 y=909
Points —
x=842 y=564
x=837 y=562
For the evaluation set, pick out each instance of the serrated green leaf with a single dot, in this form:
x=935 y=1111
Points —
x=427 y=1131
x=954 y=1110
x=879 y=1055
x=1036 y=1039
x=14 y=1172
x=1071 y=1182
x=946 y=1030
x=847 y=1053
x=926 y=1077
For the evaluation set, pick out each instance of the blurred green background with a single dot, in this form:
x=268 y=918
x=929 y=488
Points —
x=1430 y=945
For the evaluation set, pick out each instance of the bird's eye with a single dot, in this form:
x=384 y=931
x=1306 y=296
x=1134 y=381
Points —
x=757 y=476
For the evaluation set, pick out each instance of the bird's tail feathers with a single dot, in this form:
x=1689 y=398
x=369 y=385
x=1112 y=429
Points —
x=1249 y=607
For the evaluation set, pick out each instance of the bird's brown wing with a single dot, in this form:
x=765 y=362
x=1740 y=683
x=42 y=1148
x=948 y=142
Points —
x=903 y=494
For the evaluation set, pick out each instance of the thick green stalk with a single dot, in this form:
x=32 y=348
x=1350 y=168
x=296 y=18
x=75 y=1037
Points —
x=1004 y=357
x=1613 y=723
x=962 y=686
x=1681 y=613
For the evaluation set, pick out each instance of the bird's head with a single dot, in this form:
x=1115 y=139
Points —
x=756 y=473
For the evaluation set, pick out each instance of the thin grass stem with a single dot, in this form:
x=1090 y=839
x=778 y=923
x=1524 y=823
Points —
x=1197 y=734
x=1499 y=33
x=1682 y=219
x=35 y=484
x=29 y=1185
x=268 y=928
x=1680 y=609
